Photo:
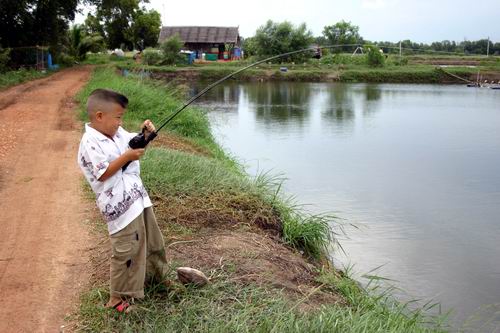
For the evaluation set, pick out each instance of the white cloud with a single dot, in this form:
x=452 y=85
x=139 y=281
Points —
x=373 y=4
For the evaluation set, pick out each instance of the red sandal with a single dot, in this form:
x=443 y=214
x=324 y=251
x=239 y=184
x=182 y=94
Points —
x=122 y=306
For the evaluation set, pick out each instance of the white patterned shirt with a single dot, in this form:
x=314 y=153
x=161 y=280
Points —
x=122 y=197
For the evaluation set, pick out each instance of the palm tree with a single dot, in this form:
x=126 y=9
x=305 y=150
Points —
x=80 y=43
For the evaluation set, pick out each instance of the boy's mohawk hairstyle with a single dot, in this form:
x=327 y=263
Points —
x=107 y=95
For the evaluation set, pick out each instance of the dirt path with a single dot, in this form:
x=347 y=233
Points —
x=42 y=249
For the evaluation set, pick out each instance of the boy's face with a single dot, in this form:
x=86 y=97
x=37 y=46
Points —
x=109 y=120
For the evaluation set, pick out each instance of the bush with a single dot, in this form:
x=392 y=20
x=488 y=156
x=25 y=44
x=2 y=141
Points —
x=13 y=77
x=170 y=49
x=399 y=61
x=66 y=59
x=343 y=59
x=4 y=59
x=374 y=56
x=151 y=56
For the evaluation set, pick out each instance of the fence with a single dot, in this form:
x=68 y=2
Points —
x=29 y=57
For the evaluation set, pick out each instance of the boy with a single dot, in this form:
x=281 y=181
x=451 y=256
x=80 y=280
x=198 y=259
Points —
x=136 y=241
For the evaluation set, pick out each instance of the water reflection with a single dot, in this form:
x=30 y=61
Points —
x=340 y=108
x=286 y=104
x=372 y=92
x=279 y=103
x=228 y=93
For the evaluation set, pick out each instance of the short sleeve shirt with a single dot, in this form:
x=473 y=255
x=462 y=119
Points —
x=122 y=197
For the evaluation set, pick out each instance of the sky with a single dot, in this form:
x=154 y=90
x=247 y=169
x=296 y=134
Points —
x=378 y=20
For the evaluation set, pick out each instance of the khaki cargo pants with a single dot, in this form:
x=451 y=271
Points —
x=138 y=250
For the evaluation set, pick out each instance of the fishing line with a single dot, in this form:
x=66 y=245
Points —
x=141 y=141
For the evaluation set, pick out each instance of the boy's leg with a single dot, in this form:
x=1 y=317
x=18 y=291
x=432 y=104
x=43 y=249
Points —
x=157 y=265
x=128 y=262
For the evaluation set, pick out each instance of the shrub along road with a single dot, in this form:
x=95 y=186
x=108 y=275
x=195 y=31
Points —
x=43 y=253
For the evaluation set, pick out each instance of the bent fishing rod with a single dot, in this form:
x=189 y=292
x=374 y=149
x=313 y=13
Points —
x=141 y=141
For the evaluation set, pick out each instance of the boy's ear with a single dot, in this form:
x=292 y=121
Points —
x=98 y=115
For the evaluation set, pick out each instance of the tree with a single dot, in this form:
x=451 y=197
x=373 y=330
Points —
x=117 y=22
x=4 y=59
x=32 y=22
x=170 y=49
x=321 y=40
x=79 y=43
x=276 y=38
x=124 y=22
x=92 y=25
x=342 y=33
x=249 y=46
x=145 y=27
x=374 y=56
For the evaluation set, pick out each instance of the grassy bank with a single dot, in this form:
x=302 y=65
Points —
x=309 y=73
x=341 y=67
x=12 y=78
x=266 y=258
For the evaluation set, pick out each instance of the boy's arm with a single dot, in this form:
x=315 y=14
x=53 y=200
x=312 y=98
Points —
x=129 y=155
x=115 y=165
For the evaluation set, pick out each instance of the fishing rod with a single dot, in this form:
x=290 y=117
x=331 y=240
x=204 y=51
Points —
x=141 y=141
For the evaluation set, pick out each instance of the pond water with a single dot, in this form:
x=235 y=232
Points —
x=415 y=167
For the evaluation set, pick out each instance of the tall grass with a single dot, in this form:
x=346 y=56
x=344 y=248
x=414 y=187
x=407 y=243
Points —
x=12 y=78
x=169 y=172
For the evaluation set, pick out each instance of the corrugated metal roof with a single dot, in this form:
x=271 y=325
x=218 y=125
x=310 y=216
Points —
x=201 y=34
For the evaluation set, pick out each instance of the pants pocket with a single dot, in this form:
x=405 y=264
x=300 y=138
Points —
x=124 y=245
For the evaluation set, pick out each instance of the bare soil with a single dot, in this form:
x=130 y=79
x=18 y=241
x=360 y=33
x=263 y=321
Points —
x=43 y=251
x=242 y=237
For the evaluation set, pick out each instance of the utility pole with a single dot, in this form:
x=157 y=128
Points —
x=399 y=49
x=488 y=47
x=164 y=16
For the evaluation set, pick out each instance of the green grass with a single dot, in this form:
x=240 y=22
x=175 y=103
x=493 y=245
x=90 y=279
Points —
x=225 y=305
x=12 y=78
x=173 y=172
x=312 y=73
x=105 y=58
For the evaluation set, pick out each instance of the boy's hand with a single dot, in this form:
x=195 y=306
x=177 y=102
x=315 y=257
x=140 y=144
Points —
x=148 y=126
x=134 y=154
x=115 y=165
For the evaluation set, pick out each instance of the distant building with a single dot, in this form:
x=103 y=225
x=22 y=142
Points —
x=215 y=42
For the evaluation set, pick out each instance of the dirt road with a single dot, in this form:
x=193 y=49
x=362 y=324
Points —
x=43 y=240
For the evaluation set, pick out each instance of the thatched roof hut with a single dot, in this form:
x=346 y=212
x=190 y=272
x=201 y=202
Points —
x=209 y=40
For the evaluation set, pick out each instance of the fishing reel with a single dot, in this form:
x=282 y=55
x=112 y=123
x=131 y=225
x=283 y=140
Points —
x=140 y=141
